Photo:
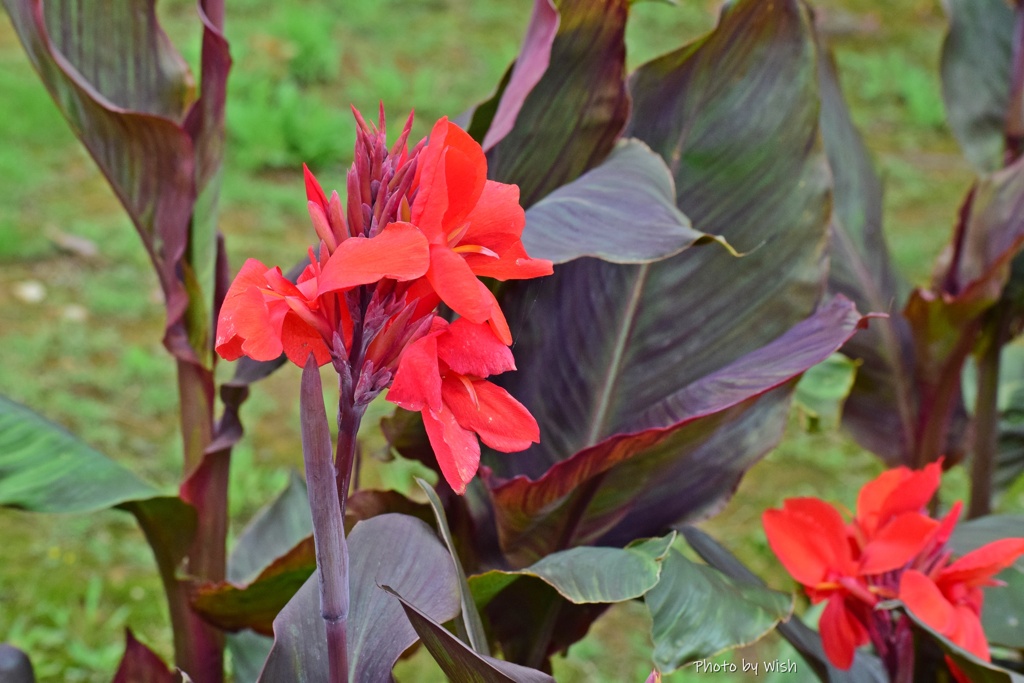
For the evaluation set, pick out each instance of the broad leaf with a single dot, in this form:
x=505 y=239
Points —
x=45 y=468
x=130 y=99
x=141 y=665
x=393 y=550
x=256 y=604
x=273 y=532
x=881 y=411
x=824 y=388
x=604 y=349
x=459 y=662
x=673 y=461
x=977 y=670
x=697 y=613
x=587 y=574
x=524 y=74
x=569 y=120
x=976 y=58
x=866 y=668
x=622 y=211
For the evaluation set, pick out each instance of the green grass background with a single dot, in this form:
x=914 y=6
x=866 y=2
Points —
x=88 y=354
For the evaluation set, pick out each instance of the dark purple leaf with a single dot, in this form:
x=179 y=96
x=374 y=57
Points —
x=622 y=211
x=458 y=661
x=526 y=72
x=141 y=665
x=606 y=352
x=672 y=461
x=393 y=550
x=569 y=120
x=130 y=99
x=15 y=666
x=273 y=532
x=976 y=58
x=882 y=409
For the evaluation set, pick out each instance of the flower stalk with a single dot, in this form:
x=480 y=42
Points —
x=328 y=520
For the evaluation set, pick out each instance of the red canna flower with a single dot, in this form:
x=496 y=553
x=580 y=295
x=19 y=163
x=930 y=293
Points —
x=949 y=599
x=473 y=225
x=890 y=550
x=419 y=227
x=441 y=375
x=264 y=314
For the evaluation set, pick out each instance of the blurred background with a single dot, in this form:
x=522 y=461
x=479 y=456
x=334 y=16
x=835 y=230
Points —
x=80 y=320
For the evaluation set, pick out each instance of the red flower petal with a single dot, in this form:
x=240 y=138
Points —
x=299 y=339
x=502 y=422
x=497 y=213
x=314 y=192
x=456 y=449
x=809 y=538
x=472 y=349
x=897 y=542
x=417 y=384
x=894 y=492
x=238 y=306
x=399 y=252
x=514 y=264
x=926 y=601
x=977 y=567
x=968 y=633
x=841 y=632
x=457 y=286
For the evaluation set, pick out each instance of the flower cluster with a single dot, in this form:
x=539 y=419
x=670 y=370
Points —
x=420 y=227
x=892 y=550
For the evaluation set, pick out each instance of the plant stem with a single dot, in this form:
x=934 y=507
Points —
x=328 y=527
x=986 y=415
x=199 y=647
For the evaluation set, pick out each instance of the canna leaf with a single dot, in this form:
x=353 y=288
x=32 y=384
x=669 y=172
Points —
x=459 y=662
x=976 y=56
x=568 y=121
x=391 y=549
x=622 y=211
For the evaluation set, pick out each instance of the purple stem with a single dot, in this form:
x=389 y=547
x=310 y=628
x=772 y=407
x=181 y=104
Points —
x=328 y=526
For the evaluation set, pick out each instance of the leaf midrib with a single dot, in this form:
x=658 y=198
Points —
x=614 y=368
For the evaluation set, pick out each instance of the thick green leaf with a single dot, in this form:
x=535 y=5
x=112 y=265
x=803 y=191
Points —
x=698 y=612
x=45 y=468
x=256 y=604
x=823 y=389
x=587 y=574
x=976 y=669
x=866 y=668
x=472 y=628
x=569 y=120
x=394 y=550
x=622 y=211
x=976 y=58
x=459 y=662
